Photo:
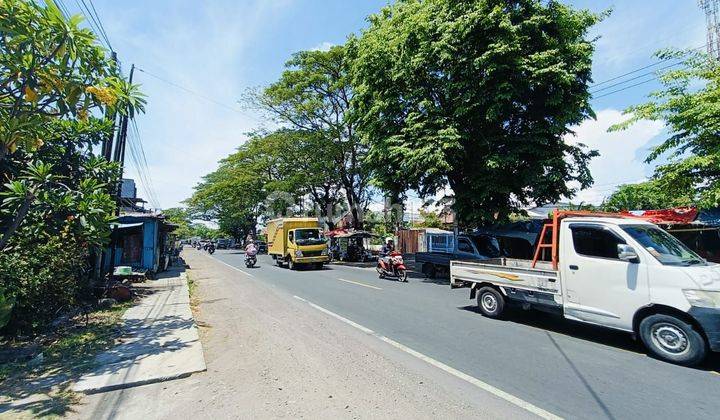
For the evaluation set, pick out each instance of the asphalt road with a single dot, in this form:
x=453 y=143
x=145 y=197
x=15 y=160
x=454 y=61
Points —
x=569 y=369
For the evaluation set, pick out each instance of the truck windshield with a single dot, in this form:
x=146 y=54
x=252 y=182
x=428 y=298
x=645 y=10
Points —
x=664 y=247
x=308 y=237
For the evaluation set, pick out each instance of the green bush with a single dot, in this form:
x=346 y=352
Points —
x=43 y=278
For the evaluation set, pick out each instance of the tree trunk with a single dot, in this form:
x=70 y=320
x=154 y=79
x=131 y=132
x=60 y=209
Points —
x=17 y=220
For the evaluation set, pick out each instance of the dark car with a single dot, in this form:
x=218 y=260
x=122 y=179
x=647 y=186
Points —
x=262 y=247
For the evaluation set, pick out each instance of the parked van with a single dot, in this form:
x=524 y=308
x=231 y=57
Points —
x=297 y=242
x=617 y=272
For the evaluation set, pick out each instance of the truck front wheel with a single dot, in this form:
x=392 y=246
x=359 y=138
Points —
x=673 y=340
x=291 y=264
x=490 y=302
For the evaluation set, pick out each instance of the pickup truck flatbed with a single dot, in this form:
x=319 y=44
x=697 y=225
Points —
x=617 y=272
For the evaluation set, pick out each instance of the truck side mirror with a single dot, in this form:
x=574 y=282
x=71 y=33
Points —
x=627 y=253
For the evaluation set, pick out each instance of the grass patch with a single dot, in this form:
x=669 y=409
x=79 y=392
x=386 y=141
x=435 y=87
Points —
x=67 y=354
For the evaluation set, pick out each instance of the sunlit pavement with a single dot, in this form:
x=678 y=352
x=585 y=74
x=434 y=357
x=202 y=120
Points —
x=569 y=369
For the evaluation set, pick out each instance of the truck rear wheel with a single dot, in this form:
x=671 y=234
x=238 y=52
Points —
x=430 y=270
x=490 y=302
x=673 y=340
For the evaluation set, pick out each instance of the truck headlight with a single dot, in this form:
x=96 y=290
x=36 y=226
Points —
x=703 y=298
x=324 y=252
x=298 y=253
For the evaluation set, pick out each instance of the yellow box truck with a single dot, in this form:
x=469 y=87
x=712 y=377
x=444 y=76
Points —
x=297 y=241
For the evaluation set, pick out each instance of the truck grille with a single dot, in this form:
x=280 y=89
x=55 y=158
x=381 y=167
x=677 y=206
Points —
x=312 y=253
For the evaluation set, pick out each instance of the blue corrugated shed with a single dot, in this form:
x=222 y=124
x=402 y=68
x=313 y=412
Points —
x=139 y=240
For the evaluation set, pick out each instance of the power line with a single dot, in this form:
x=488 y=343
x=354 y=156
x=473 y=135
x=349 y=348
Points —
x=641 y=69
x=94 y=23
x=626 y=88
x=90 y=19
x=137 y=152
x=142 y=174
x=99 y=21
x=60 y=5
x=192 y=92
x=143 y=161
x=635 y=78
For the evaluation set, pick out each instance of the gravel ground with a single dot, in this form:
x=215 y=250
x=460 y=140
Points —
x=272 y=356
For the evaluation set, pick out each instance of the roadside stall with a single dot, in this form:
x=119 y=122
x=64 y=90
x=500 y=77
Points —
x=351 y=246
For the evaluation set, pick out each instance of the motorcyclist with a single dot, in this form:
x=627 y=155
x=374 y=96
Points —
x=251 y=249
x=388 y=247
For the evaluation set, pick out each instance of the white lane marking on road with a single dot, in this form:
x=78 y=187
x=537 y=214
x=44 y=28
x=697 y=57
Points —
x=233 y=267
x=715 y=372
x=448 y=369
x=338 y=317
x=356 y=268
x=360 y=284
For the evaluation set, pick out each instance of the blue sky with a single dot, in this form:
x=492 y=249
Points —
x=219 y=48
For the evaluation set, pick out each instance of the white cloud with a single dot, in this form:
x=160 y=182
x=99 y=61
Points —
x=323 y=46
x=622 y=153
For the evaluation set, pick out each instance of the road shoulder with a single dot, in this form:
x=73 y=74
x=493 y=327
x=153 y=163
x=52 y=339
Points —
x=271 y=355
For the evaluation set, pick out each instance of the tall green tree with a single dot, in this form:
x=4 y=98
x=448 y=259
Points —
x=314 y=96
x=56 y=83
x=478 y=96
x=688 y=105
x=51 y=68
x=53 y=78
x=650 y=195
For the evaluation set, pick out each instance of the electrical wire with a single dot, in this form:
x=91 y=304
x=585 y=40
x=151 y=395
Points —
x=199 y=95
x=145 y=182
x=93 y=21
x=60 y=5
x=140 y=162
x=143 y=161
x=612 y=79
x=102 y=27
x=626 y=88
x=635 y=78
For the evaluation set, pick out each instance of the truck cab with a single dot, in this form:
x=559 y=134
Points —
x=306 y=246
x=618 y=272
x=297 y=242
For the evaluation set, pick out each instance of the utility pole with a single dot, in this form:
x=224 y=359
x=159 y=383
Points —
x=712 y=9
x=119 y=155
x=107 y=144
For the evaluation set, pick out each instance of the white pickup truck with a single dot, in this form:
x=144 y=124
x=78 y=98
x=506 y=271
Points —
x=620 y=273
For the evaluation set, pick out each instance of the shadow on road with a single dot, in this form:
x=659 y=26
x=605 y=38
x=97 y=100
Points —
x=586 y=332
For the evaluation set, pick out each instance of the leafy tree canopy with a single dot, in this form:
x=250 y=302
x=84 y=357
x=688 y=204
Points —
x=478 y=96
x=650 y=195
x=689 y=105
x=51 y=68
x=314 y=96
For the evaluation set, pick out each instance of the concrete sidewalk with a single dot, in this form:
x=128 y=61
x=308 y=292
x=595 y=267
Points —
x=160 y=340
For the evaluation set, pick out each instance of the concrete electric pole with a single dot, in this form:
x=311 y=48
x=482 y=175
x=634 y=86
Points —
x=711 y=8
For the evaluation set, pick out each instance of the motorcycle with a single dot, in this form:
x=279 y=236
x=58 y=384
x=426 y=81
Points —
x=211 y=249
x=395 y=268
x=250 y=261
